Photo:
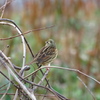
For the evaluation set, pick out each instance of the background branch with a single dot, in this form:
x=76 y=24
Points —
x=14 y=75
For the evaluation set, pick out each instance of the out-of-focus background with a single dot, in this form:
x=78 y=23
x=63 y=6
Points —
x=76 y=32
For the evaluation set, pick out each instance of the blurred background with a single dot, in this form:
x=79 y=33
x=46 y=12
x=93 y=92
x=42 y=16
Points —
x=76 y=32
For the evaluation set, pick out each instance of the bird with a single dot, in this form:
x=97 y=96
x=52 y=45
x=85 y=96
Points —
x=46 y=55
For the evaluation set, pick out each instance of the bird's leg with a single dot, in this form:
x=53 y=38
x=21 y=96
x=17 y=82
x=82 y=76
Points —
x=48 y=67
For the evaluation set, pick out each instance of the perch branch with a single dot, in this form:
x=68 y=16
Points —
x=70 y=69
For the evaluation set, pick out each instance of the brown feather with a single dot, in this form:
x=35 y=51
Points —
x=46 y=55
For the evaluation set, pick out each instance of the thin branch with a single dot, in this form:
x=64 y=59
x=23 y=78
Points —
x=11 y=23
x=46 y=73
x=16 y=94
x=45 y=93
x=3 y=85
x=3 y=89
x=3 y=9
x=27 y=82
x=6 y=89
x=24 y=69
x=35 y=94
x=87 y=88
x=39 y=29
x=70 y=69
x=14 y=75
x=9 y=79
x=5 y=92
x=6 y=4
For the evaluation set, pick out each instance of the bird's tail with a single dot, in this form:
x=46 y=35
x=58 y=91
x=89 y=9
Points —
x=33 y=61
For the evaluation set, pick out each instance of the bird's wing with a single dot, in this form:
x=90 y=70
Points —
x=46 y=55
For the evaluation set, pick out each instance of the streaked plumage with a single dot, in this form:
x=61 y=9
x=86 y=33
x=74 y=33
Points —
x=47 y=54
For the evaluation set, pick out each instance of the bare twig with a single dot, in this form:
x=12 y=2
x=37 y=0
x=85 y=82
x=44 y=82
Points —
x=15 y=95
x=46 y=73
x=3 y=85
x=9 y=79
x=27 y=32
x=4 y=6
x=6 y=90
x=5 y=48
x=87 y=88
x=70 y=69
x=11 y=23
x=51 y=90
x=5 y=64
x=35 y=94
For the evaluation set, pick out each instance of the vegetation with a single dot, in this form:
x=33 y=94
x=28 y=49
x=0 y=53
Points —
x=76 y=32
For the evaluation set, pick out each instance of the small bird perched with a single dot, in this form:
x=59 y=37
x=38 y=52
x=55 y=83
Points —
x=47 y=54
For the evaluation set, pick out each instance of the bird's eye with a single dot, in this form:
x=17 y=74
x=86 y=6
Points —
x=50 y=41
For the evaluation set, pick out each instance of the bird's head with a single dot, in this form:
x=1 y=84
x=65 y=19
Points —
x=50 y=42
